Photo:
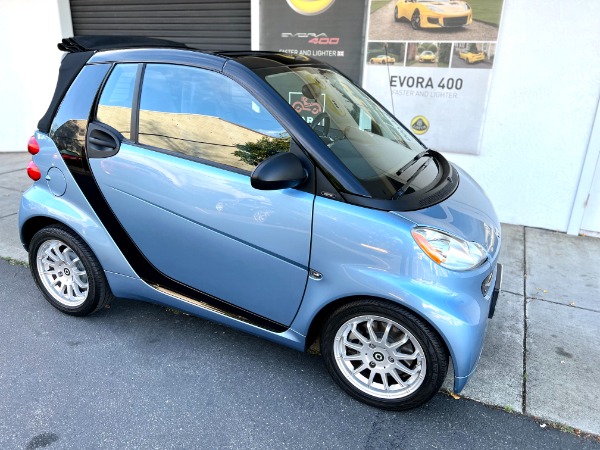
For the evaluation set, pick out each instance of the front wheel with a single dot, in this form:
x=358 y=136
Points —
x=383 y=355
x=396 y=17
x=416 y=20
x=67 y=272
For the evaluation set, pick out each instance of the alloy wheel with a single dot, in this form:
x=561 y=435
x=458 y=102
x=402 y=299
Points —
x=380 y=357
x=62 y=273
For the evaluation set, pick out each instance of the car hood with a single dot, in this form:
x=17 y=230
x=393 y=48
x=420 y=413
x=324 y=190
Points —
x=447 y=7
x=468 y=213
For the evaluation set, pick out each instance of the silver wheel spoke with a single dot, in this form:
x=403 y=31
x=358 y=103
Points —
x=386 y=333
x=66 y=254
x=405 y=369
x=396 y=377
x=51 y=256
x=352 y=357
x=359 y=369
x=358 y=336
x=371 y=332
x=402 y=341
x=404 y=357
x=79 y=283
x=77 y=290
x=58 y=253
x=352 y=345
x=371 y=377
x=386 y=386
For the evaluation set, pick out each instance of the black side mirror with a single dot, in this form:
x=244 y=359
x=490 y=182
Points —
x=280 y=171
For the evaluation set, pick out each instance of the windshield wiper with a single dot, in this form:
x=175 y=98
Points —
x=423 y=166
x=409 y=164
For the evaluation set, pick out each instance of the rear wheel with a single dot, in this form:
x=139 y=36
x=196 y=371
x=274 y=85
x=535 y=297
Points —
x=396 y=17
x=383 y=355
x=67 y=272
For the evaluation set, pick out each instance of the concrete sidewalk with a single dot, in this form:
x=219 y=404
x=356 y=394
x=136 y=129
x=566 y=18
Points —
x=542 y=352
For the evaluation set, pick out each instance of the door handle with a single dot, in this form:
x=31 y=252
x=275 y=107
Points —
x=101 y=141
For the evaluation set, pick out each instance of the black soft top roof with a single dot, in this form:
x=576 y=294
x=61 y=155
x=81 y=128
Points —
x=93 y=43
x=80 y=49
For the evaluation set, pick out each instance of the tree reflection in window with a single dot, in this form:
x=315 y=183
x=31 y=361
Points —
x=206 y=115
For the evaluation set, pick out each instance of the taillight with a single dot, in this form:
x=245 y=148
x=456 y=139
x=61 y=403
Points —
x=33 y=171
x=32 y=146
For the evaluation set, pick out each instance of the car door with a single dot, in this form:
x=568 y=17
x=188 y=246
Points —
x=179 y=185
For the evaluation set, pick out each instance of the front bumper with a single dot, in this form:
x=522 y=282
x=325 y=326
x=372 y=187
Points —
x=441 y=20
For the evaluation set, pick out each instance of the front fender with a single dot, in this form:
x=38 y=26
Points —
x=367 y=253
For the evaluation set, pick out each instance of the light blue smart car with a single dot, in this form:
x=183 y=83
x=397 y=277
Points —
x=200 y=181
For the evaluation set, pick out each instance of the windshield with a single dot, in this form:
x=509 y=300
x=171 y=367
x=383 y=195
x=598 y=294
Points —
x=378 y=151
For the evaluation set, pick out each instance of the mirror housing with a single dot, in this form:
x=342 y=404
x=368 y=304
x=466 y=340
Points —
x=280 y=171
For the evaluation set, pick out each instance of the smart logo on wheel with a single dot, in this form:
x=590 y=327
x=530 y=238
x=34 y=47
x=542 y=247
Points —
x=310 y=7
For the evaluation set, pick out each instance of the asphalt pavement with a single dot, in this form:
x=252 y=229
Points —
x=137 y=375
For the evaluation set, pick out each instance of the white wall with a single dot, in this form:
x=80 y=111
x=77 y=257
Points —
x=29 y=32
x=541 y=108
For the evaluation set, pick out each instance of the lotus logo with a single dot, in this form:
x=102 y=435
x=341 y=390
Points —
x=419 y=125
x=310 y=7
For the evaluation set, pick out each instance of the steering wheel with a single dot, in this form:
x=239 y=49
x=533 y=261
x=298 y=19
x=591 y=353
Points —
x=326 y=123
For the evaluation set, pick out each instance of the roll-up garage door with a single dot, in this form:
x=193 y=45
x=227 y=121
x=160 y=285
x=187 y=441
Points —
x=208 y=25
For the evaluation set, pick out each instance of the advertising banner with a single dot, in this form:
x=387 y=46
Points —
x=430 y=63
x=427 y=61
x=329 y=30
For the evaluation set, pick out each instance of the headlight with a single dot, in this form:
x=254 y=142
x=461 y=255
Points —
x=449 y=251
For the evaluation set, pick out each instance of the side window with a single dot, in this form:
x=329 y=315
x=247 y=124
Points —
x=114 y=107
x=204 y=114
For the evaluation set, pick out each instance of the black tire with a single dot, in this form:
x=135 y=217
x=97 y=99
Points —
x=415 y=21
x=397 y=397
x=396 y=18
x=79 y=267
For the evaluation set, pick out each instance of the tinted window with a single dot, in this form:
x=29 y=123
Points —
x=70 y=123
x=204 y=114
x=114 y=107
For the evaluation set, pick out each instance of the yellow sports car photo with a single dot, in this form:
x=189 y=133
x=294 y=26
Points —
x=382 y=59
x=427 y=56
x=471 y=57
x=434 y=13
